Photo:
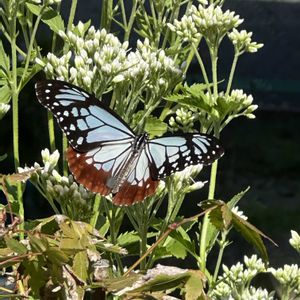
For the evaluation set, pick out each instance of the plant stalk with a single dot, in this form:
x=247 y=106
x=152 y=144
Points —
x=232 y=70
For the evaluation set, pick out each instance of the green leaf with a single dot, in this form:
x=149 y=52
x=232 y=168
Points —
x=38 y=244
x=213 y=232
x=175 y=248
x=192 y=96
x=236 y=198
x=221 y=216
x=162 y=282
x=4 y=62
x=56 y=256
x=194 y=286
x=5 y=94
x=117 y=284
x=80 y=265
x=251 y=234
x=15 y=245
x=49 y=17
x=155 y=127
x=181 y=237
x=127 y=238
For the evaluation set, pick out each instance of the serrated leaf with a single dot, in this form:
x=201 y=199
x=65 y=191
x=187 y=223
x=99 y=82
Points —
x=15 y=245
x=155 y=127
x=236 y=198
x=50 y=17
x=251 y=234
x=80 y=265
x=175 y=248
x=194 y=286
x=212 y=231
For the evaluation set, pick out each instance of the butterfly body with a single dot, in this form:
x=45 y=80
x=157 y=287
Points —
x=138 y=146
x=107 y=157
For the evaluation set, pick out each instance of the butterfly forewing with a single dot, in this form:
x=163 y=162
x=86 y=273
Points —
x=175 y=153
x=86 y=122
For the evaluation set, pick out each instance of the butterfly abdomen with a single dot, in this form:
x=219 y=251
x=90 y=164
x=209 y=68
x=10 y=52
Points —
x=115 y=182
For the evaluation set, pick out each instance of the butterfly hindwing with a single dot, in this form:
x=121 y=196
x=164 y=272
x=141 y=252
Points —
x=94 y=168
x=175 y=153
x=139 y=183
x=86 y=122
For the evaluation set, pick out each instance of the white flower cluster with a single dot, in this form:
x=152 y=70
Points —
x=209 y=21
x=74 y=200
x=242 y=41
x=295 y=241
x=184 y=182
x=236 y=280
x=244 y=101
x=186 y=29
x=184 y=120
x=4 y=108
x=98 y=59
x=234 y=105
x=289 y=277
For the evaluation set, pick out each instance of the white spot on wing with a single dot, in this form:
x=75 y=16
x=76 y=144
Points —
x=80 y=140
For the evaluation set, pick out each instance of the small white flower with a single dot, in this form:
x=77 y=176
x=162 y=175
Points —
x=239 y=213
x=295 y=240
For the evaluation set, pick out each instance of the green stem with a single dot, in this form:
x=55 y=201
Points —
x=72 y=14
x=232 y=70
x=51 y=131
x=223 y=245
x=214 y=60
x=131 y=20
x=70 y=22
x=15 y=111
x=206 y=222
x=214 y=168
x=64 y=148
x=106 y=14
x=29 y=50
x=202 y=67
x=96 y=206
x=123 y=12
x=143 y=231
